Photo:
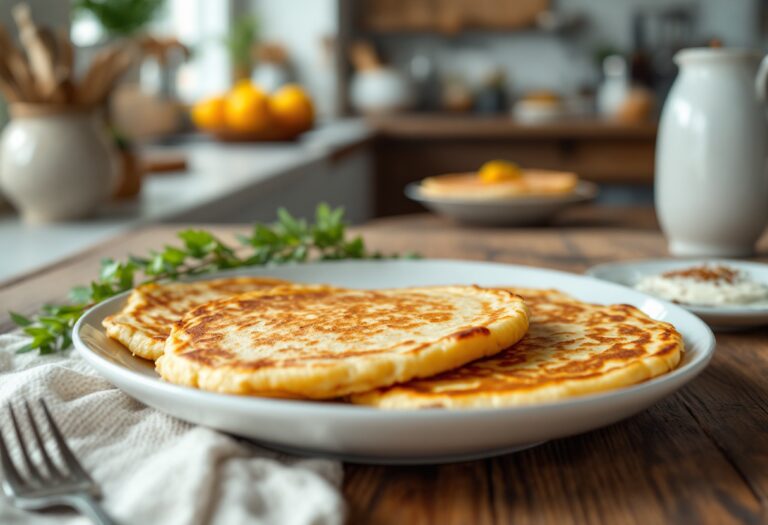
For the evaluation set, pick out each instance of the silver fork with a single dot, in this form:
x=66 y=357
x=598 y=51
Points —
x=53 y=485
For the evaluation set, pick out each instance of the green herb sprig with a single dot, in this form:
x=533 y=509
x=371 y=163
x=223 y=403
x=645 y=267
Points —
x=288 y=240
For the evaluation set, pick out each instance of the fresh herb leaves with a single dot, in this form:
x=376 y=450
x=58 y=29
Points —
x=288 y=240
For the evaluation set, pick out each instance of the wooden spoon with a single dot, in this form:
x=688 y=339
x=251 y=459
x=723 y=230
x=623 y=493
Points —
x=65 y=53
x=18 y=68
x=116 y=68
x=39 y=44
x=8 y=87
x=97 y=81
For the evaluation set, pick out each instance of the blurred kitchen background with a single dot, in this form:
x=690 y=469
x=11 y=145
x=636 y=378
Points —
x=389 y=92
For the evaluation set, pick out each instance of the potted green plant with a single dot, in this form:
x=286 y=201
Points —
x=120 y=18
x=240 y=42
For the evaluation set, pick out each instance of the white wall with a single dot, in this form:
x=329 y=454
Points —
x=734 y=21
x=300 y=26
x=534 y=60
x=531 y=59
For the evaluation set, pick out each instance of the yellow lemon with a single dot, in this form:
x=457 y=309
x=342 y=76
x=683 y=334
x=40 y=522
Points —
x=499 y=171
x=208 y=114
x=247 y=109
x=292 y=109
x=243 y=85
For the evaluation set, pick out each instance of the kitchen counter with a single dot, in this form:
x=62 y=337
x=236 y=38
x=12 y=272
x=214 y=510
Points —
x=438 y=126
x=224 y=183
x=410 y=147
x=247 y=182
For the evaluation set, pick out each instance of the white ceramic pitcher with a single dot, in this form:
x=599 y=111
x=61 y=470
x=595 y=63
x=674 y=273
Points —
x=711 y=150
x=56 y=163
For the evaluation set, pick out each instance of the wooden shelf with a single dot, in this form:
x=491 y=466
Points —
x=448 y=16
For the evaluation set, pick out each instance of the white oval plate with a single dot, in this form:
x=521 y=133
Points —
x=718 y=317
x=371 y=435
x=512 y=211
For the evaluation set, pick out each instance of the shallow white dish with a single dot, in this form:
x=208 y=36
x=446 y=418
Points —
x=718 y=317
x=370 y=435
x=513 y=211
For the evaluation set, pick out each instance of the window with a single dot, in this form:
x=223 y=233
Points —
x=200 y=25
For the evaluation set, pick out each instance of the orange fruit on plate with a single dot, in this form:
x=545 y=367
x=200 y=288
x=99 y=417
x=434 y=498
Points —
x=499 y=171
x=209 y=114
x=247 y=109
x=292 y=109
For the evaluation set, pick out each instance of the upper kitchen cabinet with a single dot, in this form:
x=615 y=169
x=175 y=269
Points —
x=449 y=16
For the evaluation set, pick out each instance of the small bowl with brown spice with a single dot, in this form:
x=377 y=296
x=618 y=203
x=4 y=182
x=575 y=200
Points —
x=727 y=294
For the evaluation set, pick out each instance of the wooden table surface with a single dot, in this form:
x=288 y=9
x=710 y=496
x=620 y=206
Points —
x=700 y=456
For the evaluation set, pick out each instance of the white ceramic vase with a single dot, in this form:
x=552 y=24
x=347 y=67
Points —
x=711 y=178
x=56 y=163
x=380 y=90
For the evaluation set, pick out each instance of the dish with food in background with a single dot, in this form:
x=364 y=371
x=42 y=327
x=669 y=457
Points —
x=501 y=193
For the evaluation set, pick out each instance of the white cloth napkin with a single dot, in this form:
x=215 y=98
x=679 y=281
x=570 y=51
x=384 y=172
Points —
x=154 y=469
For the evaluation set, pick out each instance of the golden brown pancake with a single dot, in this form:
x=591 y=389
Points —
x=330 y=342
x=145 y=321
x=571 y=349
x=470 y=186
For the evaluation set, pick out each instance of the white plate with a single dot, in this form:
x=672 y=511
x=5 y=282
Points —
x=512 y=211
x=413 y=436
x=718 y=317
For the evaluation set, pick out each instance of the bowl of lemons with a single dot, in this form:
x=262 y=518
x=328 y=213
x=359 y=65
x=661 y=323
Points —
x=247 y=113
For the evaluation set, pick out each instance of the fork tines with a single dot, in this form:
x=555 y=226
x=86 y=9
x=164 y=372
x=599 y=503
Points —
x=32 y=475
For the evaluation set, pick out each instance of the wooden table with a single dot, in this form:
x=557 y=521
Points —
x=700 y=456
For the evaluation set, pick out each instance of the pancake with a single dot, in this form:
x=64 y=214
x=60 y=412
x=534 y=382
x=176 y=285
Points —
x=329 y=343
x=145 y=322
x=470 y=186
x=571 y=349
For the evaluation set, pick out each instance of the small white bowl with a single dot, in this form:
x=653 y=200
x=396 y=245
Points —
x=727 y=317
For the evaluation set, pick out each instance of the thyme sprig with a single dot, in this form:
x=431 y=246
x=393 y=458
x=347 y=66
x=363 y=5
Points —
x=288 y=240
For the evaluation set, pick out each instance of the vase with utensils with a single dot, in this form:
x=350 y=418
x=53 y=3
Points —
x=57 y=161
x=711 y=152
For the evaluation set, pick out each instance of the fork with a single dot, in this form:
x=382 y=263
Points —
x=52 y=486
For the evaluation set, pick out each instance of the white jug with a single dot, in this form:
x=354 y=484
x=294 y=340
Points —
x=711 y=178
x=56 y=163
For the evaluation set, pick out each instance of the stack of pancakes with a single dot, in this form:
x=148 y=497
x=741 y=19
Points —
x=440 y=346
x=532 y=183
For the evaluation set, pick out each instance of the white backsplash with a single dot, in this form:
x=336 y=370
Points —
x=531 y=59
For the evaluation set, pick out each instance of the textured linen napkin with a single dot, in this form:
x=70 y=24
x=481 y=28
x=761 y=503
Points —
x=154 y=469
